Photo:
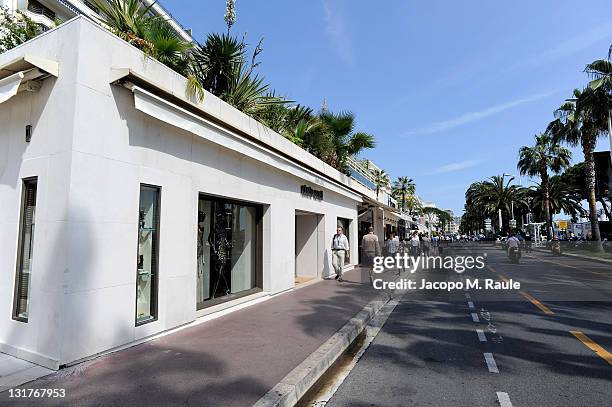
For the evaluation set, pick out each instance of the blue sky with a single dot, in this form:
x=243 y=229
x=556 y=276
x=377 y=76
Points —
x=450 y=89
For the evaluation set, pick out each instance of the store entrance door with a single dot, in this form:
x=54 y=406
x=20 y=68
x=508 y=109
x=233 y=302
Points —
x=309 y=246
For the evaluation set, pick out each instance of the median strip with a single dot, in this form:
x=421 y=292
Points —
x=589 y=343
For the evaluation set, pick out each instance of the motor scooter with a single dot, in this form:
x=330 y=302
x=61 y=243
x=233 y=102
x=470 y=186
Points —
x=514 y=254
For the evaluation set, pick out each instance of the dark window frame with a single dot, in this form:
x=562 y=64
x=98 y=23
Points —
x=260 y=210
x=20 y=247
x=154 y=272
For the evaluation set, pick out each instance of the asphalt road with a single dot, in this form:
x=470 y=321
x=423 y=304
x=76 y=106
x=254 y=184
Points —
x=517 y=349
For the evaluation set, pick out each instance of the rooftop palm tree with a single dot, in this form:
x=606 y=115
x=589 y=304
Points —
x=402 y=187
x=131 y=20
x=213 y=64
x=381 y=180
x=545 y=155
x=345 y=141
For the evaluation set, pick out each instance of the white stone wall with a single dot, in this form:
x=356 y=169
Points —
x=91 y=150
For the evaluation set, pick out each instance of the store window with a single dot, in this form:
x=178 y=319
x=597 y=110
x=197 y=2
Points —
x=24 y=250
x=346 y=224
x=228 y=250
x=148 y=254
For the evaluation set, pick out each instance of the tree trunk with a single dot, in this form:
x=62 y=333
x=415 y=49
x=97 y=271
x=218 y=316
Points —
x=545 y=189
x=589 y=161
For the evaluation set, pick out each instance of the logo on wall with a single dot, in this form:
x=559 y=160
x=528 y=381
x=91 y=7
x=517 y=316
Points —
x=308 y=192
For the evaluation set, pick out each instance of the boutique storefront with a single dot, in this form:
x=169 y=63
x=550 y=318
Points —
x=148 y=210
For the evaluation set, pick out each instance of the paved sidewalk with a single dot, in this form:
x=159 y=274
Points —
x=229 y=361
x=15 y=371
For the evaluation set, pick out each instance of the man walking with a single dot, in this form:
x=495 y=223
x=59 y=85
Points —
x=340 y=246
x=370 y=247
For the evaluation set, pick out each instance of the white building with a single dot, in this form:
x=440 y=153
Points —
x=127 y=210
x=47 y=12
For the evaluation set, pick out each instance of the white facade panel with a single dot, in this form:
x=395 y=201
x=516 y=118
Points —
x=91 y=150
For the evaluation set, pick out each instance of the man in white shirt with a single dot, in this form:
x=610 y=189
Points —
x=392 y=245
x=340 y=246
x=512 y=242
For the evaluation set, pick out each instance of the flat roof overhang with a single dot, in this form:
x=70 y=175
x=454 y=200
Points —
x=150 y=97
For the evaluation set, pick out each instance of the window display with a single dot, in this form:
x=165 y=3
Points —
x=147 y=256
x=228 y=250
x=25 y=245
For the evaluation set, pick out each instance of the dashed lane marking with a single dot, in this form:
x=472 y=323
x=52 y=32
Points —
x=589 y=343
x=491 y=365
x=470 y=304
x=475 y=317
x=529 y=297
x=481 y=335
x=504 y=399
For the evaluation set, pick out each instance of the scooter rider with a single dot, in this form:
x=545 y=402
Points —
x=512 y=242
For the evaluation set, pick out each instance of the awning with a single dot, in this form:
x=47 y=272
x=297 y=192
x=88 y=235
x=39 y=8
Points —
x=24 y=74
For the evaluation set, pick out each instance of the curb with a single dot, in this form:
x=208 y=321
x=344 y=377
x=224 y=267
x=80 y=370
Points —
x=295 y=385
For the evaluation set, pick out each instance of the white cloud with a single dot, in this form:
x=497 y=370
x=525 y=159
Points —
x=475 y=116
x=452 y=167
x=337 y=28
x=574 y=44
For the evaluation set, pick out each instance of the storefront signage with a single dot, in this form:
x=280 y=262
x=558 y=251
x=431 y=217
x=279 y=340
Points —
x=308 y=192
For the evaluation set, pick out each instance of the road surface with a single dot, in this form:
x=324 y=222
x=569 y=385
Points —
x=530 y=347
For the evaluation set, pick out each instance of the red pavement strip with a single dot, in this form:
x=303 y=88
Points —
x=233 y=360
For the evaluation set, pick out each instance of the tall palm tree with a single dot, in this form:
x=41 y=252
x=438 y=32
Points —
x=494 y=194
x=601 y=72
x=381 y=180
x=579 y=121
x=402 y=187
x=561 y=197
x=537 y=160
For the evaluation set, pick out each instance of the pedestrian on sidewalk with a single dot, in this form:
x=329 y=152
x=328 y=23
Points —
x=392 y=245
x=340 y=246
x=415 y=243
x=370 y=247
x=425 y=244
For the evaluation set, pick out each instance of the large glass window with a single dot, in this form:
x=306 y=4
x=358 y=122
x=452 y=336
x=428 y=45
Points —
x=148 y=253
x=228 y=250
x=24 y=250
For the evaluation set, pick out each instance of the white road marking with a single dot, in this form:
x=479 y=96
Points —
x=481 y=335
x=475 y=317
x=504 y=399
x=468 y=296
x=470 y=304
x=491 y=365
